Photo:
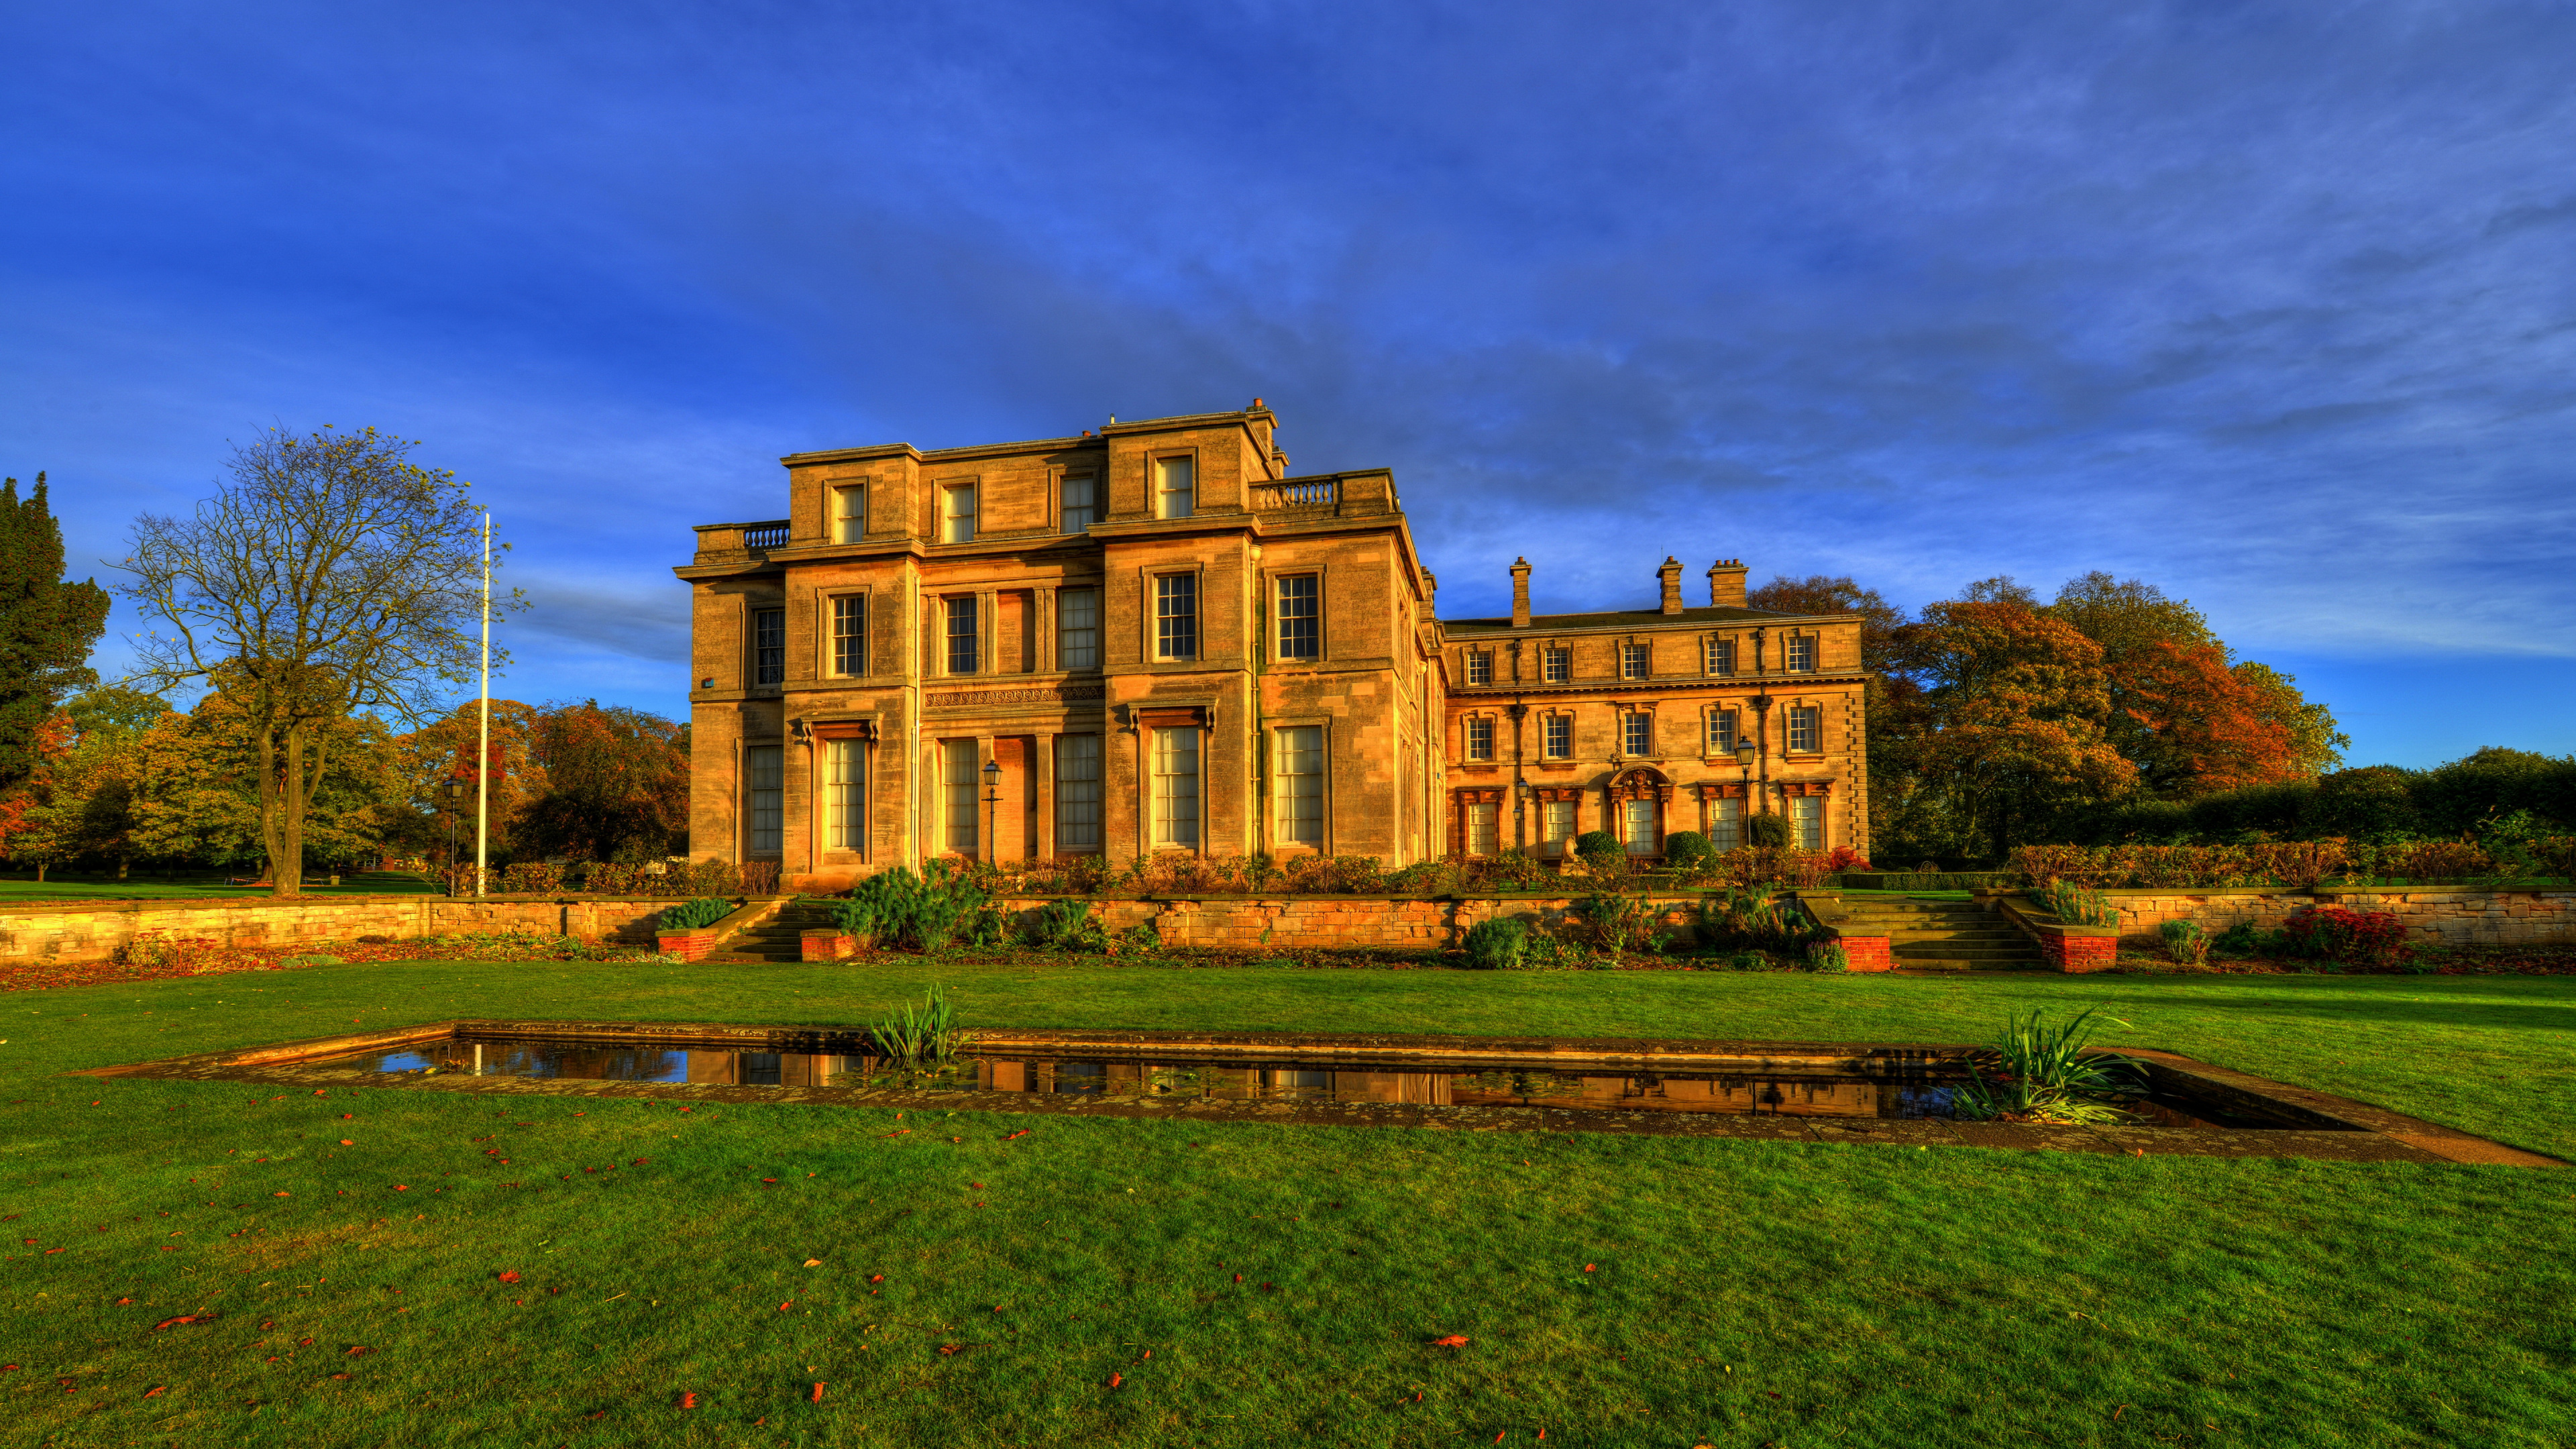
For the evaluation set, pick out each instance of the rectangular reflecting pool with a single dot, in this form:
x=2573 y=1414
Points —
x=1910 y=1091
x=1894 y=1094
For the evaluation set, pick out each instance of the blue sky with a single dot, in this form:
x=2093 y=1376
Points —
x=2272 y=305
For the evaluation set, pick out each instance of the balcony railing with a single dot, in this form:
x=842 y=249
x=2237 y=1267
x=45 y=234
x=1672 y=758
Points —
x=765 y=535
x=1278 y=497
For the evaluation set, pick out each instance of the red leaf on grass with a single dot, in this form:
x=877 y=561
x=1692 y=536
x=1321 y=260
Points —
x=1587 y=1267
x=155 y=1389
x=358 y=1349
x=790 y=1303
x=1454 y=1340
x=879 y=1278
x=398 y=1187
x=1115 y=1381
x=688 y=1401
x=817 y=1395
x=345 y=1142
x=898 y=1132
x=185 y=1318
x=121 y=1302
x=1023 y=1132
x=946 y=1349
x=510 y=1275
x=344 y=1376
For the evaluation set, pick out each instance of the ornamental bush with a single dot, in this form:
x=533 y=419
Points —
x=1767 y=832
x=1687 y=850
x=2361 y=938
x=1498 y=944
x=695 y=914
x=1601 y=850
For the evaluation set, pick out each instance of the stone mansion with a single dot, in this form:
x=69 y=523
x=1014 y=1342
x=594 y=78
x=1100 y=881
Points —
x=1154 y=637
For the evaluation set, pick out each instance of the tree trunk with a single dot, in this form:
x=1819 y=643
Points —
x=40 y=872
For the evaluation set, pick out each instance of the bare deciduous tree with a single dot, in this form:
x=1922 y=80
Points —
x=330 y=576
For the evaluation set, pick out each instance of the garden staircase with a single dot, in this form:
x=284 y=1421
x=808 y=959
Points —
x=780 y=937
x=1925 y=935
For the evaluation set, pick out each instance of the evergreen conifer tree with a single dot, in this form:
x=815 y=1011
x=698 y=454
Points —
x=48 y=626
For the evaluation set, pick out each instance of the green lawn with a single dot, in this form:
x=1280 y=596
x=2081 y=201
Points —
x=1740 y=1294
x=28 y=890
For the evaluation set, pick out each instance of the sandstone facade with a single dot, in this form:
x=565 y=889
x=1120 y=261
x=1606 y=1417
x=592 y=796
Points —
x=1155 y=637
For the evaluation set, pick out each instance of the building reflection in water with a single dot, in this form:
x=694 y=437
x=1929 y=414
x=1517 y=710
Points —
x=1598 y=1089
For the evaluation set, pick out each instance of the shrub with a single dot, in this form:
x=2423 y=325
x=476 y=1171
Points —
x=1068 y=926
x=1742 y=919
x=2246 y=941
x=1845 y=858
x=532 y=878
x=1498 y=944
x=1687 y=850
x=1743 y=869
x=2075 y=905
x=1601 y=852
x=1767 y=832
x=1827 y=956
x=2185 y=941
x=2331 y=933
x=1427 y=878
x=1619 y=920
x=924 y=911
x=1514 y=869
x=691 y=915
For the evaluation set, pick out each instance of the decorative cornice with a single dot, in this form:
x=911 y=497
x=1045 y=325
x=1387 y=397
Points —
x=979 y=698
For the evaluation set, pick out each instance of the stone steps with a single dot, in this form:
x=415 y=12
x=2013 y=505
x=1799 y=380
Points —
x=781 y=937
x=1942 y=936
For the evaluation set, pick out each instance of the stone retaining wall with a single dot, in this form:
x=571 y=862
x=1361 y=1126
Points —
x=2448 y=915
x=93 y=930
x=1250 y=923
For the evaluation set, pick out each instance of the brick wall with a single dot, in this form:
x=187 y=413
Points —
x=93 y=930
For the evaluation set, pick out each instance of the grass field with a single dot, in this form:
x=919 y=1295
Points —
x=1612 y=1290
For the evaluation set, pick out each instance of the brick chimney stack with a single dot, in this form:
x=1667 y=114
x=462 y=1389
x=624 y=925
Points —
x=1520 y=593
x=1726 y=584
x=1670 y=576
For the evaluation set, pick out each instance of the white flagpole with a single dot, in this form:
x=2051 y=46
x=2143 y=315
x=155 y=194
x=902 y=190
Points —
x=483 y=766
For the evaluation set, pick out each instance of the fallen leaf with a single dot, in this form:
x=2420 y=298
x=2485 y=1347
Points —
x=1455 y=1340
x=1587 y=1267
x=1023 y=1132
x=155 y=1389
x=879 y=1278
x=121 y=1302
x=345 y=1142
x=813 y=1262
x=398 y=1187
x=790 y=1303
x=358 y=1349
x=510 y=1275
x=688 y=1401
x=344 y=1376
x=817 y=1396
x=1115 y=1381
x=184 y=1318
x=946 y=1349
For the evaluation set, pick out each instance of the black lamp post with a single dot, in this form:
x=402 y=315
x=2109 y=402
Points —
x=455 y=806
x=992 y=808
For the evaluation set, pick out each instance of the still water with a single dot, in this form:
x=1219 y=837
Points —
x=1465 y=1084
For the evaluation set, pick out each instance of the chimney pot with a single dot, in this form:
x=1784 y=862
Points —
x=1726 y=584
x=1670 y=576
x=1520 y=593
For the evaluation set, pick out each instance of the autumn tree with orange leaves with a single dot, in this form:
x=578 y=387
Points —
x=2009 y=723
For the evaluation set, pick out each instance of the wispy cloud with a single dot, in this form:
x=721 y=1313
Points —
x=2270 y=305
